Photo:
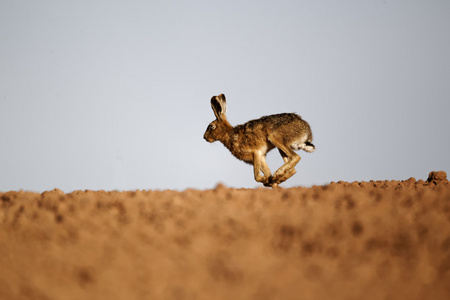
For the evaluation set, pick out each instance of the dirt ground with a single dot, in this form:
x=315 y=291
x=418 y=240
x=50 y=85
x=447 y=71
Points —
x=359 y=240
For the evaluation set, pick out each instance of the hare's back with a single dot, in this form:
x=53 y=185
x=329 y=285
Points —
x=286 y=122
x=289 y=125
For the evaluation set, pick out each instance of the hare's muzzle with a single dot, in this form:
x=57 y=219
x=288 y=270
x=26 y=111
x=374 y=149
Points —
x=207 y=139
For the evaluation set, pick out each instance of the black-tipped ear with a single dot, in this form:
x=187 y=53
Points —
x=219 y=106
x=216 y=107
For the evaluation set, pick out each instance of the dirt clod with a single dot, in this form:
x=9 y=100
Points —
x=437 y=176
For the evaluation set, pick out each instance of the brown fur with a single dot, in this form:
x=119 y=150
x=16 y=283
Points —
x=251 y=141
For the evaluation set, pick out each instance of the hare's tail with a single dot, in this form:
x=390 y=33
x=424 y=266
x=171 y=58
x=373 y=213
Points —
x=305 y=146
x=309 y=147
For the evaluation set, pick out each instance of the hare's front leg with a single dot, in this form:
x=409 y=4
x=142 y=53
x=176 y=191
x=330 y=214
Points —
x=260 y=165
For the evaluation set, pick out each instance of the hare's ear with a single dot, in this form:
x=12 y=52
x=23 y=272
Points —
x=219 y=106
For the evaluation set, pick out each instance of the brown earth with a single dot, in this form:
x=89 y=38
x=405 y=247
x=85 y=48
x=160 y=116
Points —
x=359 y=240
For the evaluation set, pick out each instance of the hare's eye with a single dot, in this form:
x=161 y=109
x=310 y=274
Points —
x=212 y=126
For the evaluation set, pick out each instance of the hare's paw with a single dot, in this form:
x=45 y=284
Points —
x=282 y=177
x=263 y=179
x=271 y=183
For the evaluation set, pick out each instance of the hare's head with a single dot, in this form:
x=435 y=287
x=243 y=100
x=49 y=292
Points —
x=220 y=126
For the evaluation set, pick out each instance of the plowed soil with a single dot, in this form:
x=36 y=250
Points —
x=360 y=240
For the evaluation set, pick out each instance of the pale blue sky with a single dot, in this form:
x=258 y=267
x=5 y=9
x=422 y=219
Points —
x=115 y=95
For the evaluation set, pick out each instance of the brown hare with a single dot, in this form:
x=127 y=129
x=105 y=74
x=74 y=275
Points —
x=251 y=141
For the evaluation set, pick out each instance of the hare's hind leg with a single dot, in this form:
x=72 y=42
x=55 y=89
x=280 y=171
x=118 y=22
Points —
x=260 y=165
x=292 y=171
x=290 y=158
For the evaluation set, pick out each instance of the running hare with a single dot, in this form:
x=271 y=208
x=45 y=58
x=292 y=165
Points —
x=251 y=141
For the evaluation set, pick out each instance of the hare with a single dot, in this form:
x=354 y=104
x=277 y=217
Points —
x=251 y=141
